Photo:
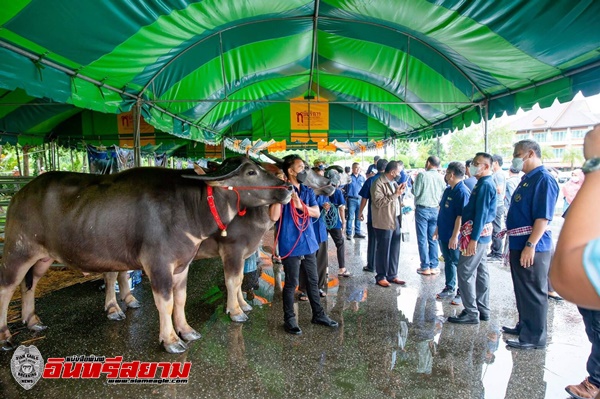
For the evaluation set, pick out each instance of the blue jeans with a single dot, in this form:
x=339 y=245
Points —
x=591 y=319
x=450 y=261
x=426 y=222
x=353 y=217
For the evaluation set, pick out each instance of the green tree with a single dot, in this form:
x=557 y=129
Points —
x=547 y=152
x=573 y=156
x=465 y=143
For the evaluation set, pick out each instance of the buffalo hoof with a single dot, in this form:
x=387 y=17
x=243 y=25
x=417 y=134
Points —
x=190 y=336
x=239 y=318
x=134 y=304
x=176 y=347
x=37 y=327
x=116 y=316
x=7 y=345
x=246 y=308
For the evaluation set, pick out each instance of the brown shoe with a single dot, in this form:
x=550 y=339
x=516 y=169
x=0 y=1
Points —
x=584 y=390
x=397 y=281
x=383 y=283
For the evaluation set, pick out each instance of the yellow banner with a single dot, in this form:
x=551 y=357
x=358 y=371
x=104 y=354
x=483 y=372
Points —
x=309 y=116
x=278 y=146
x=125 y=124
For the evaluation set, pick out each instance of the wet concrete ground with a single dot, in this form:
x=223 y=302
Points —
x=392 y=342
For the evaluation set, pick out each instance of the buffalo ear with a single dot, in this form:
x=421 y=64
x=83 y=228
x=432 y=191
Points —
x=229 y=168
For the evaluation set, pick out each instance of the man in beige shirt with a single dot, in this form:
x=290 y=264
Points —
x=387 y=219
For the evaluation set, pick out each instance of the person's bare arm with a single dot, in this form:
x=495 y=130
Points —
x=275 y=212
x=528 y=253
x=453 y=243
x=363 y=204
x=582 y=224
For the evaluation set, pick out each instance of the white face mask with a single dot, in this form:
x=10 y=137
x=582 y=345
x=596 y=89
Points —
x=474 y=170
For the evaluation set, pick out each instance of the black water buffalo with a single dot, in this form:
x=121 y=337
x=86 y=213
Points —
x=143 y=218
x=243 y=239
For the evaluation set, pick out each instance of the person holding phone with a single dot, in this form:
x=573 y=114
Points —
x=386 y=209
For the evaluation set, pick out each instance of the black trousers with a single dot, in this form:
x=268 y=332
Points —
x=371 y=246
x=322 y=265
x=291 y=267
x=338 y=239
x=387 y=252
x=496 y=248
x=591 y=319
x=531 y=293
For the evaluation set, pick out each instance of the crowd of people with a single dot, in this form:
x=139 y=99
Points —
x=463 y=211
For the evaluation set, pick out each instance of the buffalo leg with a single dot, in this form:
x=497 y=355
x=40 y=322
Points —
x=125 y=292
x=10 y=276
x=111 y=306
x=28 y=315
x=234 y=274
x=180 y=295
x=162 y=289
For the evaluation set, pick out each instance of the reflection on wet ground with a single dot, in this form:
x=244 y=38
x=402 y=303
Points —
x=392 y=342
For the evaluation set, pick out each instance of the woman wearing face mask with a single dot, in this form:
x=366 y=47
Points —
x=298 y=244
x=571 y=187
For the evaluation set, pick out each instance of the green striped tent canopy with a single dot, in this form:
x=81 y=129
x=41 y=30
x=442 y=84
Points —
x=244 y=69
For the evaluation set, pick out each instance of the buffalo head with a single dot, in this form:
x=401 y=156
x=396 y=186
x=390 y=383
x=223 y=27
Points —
x=256 y=186
x=320 y=184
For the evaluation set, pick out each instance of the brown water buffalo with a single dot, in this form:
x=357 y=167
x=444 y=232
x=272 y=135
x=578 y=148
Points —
x=243 y=239
x=143 y=218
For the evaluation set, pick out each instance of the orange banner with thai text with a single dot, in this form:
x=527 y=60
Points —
x=125 y=124
x=312 y=115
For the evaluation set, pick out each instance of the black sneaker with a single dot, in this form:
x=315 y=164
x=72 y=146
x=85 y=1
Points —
x=360 y=236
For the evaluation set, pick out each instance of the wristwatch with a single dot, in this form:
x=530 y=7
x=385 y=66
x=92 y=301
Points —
x=591 y=165
x=529 y=244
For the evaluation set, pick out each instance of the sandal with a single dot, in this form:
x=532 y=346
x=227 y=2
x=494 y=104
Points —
x=346 y=273
x=302 y=297
x=322 y=294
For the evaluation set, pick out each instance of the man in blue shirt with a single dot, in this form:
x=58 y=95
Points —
x=335 y=230
x=365 y=193
x=455 y=198
x=372 y=169
x=297 y=245
x=530 y=244
x=352 y=189
x=322 y=255
x=499 y=178
x=476 y=234
x=470 y=181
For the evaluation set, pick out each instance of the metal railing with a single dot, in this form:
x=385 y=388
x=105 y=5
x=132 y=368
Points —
x=9 y=185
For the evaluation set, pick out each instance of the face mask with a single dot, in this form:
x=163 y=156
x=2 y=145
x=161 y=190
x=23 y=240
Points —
x=517 y=164
x=301 y=177
x=474 y=170
x=575 y=179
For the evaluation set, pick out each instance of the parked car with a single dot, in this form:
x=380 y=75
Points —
x=564 y=177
